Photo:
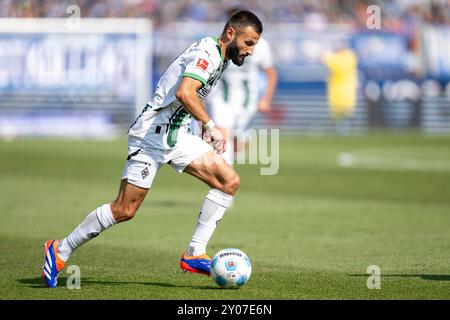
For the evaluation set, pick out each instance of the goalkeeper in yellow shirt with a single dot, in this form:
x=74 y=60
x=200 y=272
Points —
x=342 y=83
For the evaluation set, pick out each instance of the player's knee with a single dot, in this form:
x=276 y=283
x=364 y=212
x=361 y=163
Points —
x=232 y=184
x=123 y=212
x=129 y=212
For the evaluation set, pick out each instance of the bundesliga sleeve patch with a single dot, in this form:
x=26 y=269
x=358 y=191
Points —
x=202 y=64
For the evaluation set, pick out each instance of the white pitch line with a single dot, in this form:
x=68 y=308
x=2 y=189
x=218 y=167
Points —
x=369 y=160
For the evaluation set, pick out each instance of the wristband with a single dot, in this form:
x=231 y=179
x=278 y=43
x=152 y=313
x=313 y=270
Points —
x=209 y=125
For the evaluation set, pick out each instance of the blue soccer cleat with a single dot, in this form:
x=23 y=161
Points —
x=53 y=263
x=196 y=264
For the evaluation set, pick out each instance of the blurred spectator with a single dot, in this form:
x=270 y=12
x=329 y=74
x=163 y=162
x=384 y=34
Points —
x=397 y=15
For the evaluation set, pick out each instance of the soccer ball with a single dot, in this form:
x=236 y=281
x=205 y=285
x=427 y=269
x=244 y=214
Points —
x=231 y=268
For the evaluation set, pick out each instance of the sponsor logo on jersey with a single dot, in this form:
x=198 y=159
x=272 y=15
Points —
x=205 y=90
x=202 y=64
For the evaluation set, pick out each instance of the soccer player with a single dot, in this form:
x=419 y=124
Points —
x=161 y=135
x=236 y=99
x=342 y=85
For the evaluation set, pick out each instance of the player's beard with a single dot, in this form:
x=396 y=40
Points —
x=233 y=53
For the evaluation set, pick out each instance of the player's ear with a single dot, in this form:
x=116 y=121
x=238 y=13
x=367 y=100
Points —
x=231 y=34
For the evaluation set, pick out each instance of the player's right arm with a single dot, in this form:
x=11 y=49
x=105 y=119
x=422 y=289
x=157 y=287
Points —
x=189 y=99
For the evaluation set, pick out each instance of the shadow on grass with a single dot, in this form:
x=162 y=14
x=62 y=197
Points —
x=169 y=204
x=38 y=283
x=430 y=277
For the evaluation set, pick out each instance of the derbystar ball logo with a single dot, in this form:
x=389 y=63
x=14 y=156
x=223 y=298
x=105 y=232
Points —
x=231 y=263
x=230 y=254
x=202 y=64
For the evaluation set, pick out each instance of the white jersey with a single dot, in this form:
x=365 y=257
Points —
x=239 y=86
x=163 y=118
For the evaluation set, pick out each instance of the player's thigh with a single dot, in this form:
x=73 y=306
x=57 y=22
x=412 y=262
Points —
x=197 y=158
x=137 y=178
x=141 y=170
x=213 y=170
x=187 y=150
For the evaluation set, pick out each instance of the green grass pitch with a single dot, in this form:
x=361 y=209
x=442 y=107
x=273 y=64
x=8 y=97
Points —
x=310 y=231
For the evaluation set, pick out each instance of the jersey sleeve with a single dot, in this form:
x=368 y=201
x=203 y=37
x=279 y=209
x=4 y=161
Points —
x=202 y=67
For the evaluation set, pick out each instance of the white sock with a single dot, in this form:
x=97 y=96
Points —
x=96 y=222
x=214 y=207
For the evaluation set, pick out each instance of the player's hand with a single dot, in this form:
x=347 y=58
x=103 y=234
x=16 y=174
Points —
x=264 y=106
x=215 y=137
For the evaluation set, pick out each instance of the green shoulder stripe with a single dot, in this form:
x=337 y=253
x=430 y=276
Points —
x=195 y=76
x=218 y=47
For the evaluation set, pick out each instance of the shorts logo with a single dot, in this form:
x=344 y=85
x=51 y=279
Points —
x=202 y=64
x=145 y=173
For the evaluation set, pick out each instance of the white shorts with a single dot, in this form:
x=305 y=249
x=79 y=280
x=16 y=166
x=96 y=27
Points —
x=229 y=116
x=143 y=164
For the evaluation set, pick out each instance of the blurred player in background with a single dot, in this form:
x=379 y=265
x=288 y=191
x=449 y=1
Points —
x=342 y=85
x=161 y=135
x=236 y=99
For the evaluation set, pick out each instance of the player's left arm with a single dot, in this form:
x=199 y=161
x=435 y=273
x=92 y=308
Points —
x=266 y=100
